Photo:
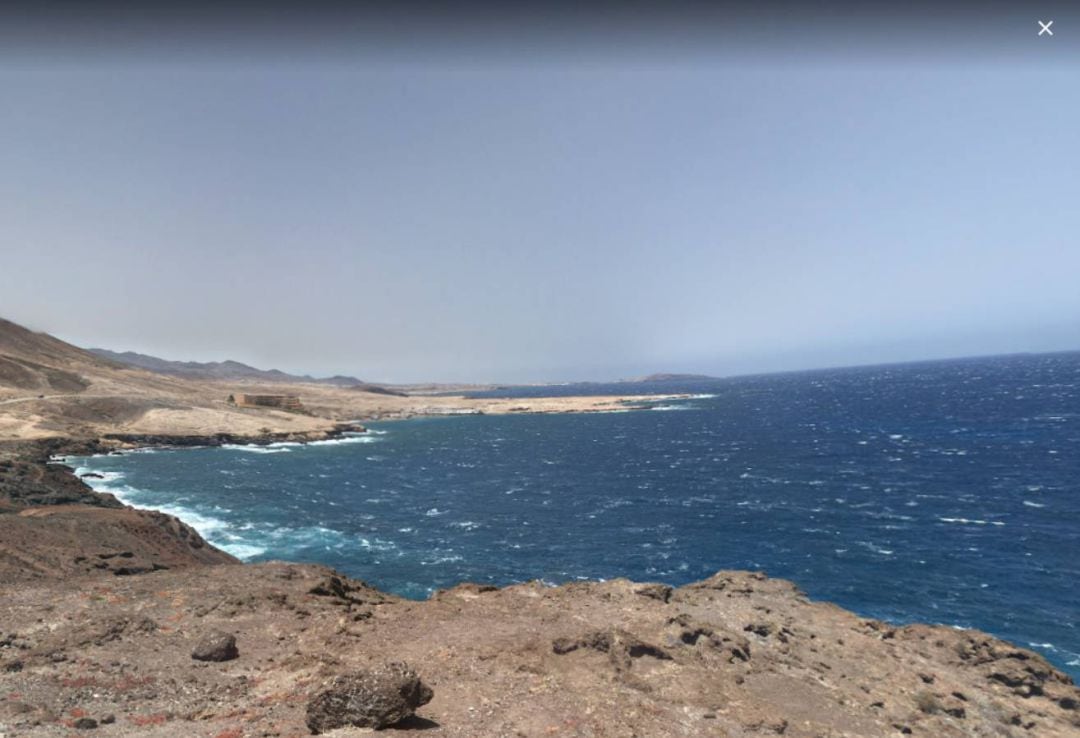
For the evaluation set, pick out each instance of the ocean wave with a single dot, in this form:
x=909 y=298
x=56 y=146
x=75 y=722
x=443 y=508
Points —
x=103 y=478
x=876 y=548
x=968 y=521
x=442 y=560
x=245 y=541
x=255 y=449
x=345 y=440
x=280 y=447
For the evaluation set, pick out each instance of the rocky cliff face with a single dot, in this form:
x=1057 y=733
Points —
x=736 y=655
x=53 y=526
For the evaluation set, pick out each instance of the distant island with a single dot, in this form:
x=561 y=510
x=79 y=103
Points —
x=668 y=377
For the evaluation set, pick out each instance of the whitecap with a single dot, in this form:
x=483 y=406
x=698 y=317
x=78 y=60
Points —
x=242 y=551
x=1029 y=503
x=345 y=440
x=253 y=449
x=442 y=560
x=970 y=521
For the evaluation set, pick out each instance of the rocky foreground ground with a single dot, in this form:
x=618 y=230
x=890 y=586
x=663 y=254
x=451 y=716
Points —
x=739 y=654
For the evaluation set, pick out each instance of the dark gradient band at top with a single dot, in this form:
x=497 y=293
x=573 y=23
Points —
x=61 y=30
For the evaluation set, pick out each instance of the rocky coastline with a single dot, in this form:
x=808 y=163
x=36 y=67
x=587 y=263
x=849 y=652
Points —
x=103 y=609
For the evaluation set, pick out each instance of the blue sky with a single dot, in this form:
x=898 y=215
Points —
x=546 y=217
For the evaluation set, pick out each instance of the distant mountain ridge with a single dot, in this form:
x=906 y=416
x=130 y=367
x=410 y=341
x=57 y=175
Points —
x=227 y=370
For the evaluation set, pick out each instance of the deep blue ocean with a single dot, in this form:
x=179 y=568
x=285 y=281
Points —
x=945 y=492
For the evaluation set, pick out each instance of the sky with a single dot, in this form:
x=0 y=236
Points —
x=597 y=203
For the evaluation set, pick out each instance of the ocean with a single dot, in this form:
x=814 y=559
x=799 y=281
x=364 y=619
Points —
x=944 y=492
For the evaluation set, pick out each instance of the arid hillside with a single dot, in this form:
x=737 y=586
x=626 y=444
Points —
x=49 y=388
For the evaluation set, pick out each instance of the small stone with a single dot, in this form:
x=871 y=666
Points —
x=216 y=646
x=85 y=723
x=108 y=719
x=368 y=698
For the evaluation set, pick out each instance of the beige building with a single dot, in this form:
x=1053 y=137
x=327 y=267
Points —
x=284 y=402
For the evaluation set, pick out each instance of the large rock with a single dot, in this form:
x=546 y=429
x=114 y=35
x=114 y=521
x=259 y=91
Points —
x=216 y=646
x=369 y=698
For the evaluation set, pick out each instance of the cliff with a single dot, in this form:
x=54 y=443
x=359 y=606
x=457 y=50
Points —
x=53 y=526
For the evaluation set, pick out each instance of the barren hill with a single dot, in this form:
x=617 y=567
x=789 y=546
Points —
x=51 y=388
x=217 y=370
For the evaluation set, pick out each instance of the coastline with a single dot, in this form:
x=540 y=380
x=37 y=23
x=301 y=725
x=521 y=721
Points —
x=43 y=458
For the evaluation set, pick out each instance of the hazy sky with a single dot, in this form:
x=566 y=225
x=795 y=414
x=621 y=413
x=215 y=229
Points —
x=536 y=216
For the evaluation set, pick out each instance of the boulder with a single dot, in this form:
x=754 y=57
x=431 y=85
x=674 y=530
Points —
x=216 y=646
x=368 y=698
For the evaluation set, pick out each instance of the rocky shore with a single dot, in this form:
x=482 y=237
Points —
x=120 y=622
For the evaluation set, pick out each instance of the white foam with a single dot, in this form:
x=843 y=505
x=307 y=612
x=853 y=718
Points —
x=345 y=440
x=442 y=560
x=242 y=551
x=253 y=449
x=1029 y=503
x=280 y=447
x=207 y=525
x=969 y=521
